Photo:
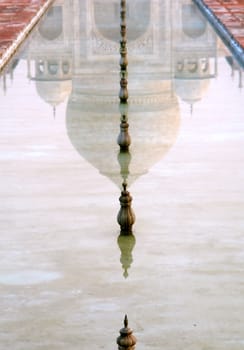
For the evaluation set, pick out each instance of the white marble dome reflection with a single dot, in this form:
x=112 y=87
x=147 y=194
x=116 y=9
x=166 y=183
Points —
x=54 y=92
x=93 y=127
x=191 y=91
x=192 y=79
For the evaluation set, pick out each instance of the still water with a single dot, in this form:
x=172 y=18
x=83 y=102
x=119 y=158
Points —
x=66 y=279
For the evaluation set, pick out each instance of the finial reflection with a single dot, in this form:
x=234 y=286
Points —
x=126 y=217
x=126 y=245
x=124 y=159
x=123 y=94
x=126 y=340
x=124 y=139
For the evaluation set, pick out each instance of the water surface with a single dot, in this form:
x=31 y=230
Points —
x=62 y=275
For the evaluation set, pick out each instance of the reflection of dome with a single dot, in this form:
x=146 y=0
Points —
x=93 y=128
x=54 y=92
x=191 y=90
x=194 y=24
x=51 y=27
x=107 y=17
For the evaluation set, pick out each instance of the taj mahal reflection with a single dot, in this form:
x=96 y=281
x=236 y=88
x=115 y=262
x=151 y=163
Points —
x=74 y=56
x=172 y=55
x=72 y=263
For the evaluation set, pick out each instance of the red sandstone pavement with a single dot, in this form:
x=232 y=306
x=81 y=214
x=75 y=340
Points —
x=17 y=19
x=231 y=15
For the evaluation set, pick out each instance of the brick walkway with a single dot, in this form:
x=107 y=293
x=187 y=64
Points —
x=227 y=16
x=17 y=19
x=231 y=14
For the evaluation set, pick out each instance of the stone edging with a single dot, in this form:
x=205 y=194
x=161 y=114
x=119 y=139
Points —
x=22 y=36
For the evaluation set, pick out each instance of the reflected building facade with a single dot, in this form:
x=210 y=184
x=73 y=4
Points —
x=49 y=55
x=194 y=52
x=75 y=56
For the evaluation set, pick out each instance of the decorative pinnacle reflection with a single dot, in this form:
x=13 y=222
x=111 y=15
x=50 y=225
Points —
x=126 y=321
x=126 y=340
x=126 y=216
x=123 y=93
x=124 y=139
x=124 y=159
x=126 y=244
